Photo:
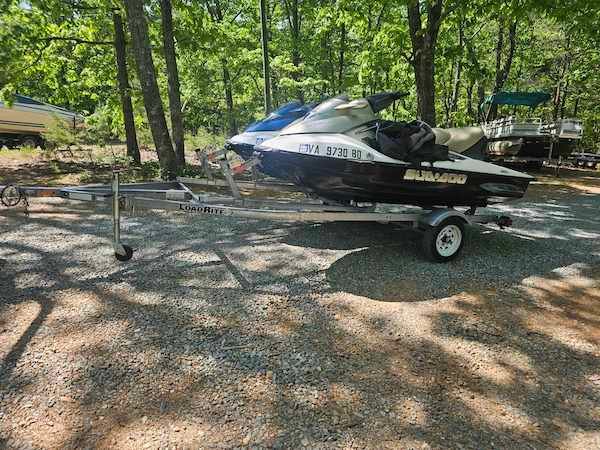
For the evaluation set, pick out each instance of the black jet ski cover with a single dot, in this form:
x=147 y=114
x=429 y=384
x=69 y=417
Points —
x=412 y=142
x=381 y=101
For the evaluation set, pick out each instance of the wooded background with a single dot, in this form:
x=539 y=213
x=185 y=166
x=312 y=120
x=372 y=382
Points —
x=192 y=65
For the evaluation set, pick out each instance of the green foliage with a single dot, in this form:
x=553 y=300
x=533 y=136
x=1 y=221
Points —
x=203 y=139
x=354 y=46
x=104 y=125
x=60 y=133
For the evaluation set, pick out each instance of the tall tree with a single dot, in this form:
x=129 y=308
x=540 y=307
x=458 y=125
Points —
x=173 y=81
x=457 y=75
x=341 y=57
x=133 y=150
x=294 y=20
x=264 y=39
x=424 y=40
x=503 y=68
x=147 y=76
x=216 y=12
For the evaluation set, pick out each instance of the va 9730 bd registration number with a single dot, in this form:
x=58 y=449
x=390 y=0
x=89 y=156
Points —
x=335 y=152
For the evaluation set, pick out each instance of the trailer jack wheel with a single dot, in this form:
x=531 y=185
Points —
x=128 y=253
x=444 y=242
x=10 y=196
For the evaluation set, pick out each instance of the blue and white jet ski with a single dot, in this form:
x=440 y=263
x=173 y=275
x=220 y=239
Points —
x=267 y=128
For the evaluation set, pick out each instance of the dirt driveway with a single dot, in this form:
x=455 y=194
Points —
x=223 y=333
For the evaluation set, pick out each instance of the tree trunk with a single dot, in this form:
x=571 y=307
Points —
x=470 y=112
x=503 y=70
x=147 y=76
x=563 y=100
x=556 y=100
x=293 y=17
x=424 y=40
x=217 y=15
x=341 y=62
x=231 y=122
x=562 y=84
x=173 y=81
x=264 y=38
x=480 y=99
x=476 y=75
x=133 y=150
x=457 y=74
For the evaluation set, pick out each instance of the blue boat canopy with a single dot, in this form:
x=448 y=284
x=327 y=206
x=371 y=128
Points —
x=531 y=99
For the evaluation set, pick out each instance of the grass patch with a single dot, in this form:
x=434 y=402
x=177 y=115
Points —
x=22 y=153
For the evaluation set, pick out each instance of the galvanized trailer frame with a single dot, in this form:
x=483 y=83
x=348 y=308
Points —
x=179 y=196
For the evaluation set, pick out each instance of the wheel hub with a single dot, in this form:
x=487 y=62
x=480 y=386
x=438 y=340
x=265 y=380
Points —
x=448 y=240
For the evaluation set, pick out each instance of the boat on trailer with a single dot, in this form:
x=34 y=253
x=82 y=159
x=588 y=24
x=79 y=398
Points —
x=443 y=228
x=348 y=164
x=516 y=139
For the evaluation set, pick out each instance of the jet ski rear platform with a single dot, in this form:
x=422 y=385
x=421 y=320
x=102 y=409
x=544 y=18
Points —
x=443 y=228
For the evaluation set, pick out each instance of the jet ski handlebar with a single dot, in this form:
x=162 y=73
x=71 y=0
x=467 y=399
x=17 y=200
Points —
x=381 y=101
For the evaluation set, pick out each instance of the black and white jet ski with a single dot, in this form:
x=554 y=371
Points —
x=343 y=151
x=267 y=128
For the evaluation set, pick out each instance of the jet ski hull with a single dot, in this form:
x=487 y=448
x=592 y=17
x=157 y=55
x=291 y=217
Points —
x=243 y=144
x=244 y=151
x=362 y=181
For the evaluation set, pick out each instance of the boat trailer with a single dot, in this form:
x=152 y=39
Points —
x=443 y=227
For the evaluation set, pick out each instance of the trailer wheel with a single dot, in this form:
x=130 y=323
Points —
x=10 y=196
x=128 y=254
x=444 y=242
x=29 y=142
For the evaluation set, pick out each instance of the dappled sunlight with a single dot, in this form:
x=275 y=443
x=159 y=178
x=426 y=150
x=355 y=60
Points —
x=411 y=412
x=236 y=333
x=26 y=311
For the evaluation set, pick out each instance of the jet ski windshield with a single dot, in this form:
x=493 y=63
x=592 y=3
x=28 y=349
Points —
x=284 y=109
x=327 y=108
x=281 y=117
x=336 y=115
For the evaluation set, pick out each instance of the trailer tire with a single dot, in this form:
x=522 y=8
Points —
x=10 y=196
x=128 y=254
x=443 y=242
x=30 y=142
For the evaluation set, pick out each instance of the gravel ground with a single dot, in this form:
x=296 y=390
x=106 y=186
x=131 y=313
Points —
x=222 y=333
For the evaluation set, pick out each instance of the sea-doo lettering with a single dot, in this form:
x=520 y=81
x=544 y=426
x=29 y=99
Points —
x=435 y=177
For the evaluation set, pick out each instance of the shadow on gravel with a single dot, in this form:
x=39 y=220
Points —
x=386 y=264
x=52 y=172
x=237 y=333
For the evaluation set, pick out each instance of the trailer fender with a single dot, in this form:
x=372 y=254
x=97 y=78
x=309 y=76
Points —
x=437 y=216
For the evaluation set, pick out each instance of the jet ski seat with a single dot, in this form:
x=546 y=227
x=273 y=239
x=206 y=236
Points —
x=458 y=140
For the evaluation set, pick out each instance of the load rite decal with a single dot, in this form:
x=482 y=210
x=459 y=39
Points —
x=202 y=209
x=435 y=177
